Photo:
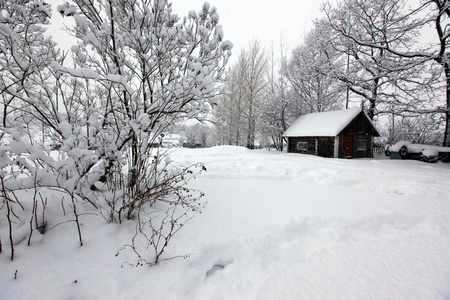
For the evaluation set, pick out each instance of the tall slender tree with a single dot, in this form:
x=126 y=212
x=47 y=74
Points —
x=238 y=110
x=255 y=82
x=278 y=107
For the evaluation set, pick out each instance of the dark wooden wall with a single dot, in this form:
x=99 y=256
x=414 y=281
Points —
x=359 y=130
x=292 y=146
x=325 y=145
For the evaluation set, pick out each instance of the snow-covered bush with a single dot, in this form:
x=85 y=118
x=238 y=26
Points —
x=89 y=131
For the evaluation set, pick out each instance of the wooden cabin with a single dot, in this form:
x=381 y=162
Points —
x=344 y=133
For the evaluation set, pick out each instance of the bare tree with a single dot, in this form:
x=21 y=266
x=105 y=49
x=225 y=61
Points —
x=279 y=106
x=229 y=113
x=440 y=18
x=239 y=108
x=364 y=32
x=421 y=129
x=407 y=68
x=309 y=72
x=255 y=81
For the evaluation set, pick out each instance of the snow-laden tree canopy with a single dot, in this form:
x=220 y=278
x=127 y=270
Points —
x=85 y=122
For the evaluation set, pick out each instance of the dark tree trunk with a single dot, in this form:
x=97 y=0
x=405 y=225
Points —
x=447 y=112
x=442 y=59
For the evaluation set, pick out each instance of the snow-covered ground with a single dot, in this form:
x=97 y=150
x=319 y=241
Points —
x=276 y=226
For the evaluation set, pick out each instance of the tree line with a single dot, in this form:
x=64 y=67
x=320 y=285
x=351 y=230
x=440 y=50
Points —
x=360 y=52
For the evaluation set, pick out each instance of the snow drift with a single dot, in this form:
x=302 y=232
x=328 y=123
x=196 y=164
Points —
x=276 y=226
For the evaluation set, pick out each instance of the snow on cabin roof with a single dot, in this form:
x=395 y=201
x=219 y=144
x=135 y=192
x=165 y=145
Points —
x=329 y=123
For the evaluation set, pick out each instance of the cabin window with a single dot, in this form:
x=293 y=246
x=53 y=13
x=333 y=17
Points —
x=361 y=145
x=302 y=145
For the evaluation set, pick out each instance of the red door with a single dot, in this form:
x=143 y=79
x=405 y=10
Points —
x=348 y=145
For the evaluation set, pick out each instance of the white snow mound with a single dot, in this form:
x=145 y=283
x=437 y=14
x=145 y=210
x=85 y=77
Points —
x=276 y=226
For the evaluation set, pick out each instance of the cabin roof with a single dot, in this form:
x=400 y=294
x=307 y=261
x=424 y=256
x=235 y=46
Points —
x=330 y=123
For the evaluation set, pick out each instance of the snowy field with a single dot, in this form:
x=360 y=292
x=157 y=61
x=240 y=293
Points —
x=276 y=226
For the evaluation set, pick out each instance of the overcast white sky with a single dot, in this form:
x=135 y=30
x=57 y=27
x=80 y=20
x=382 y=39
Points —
x=242 y=20
x=267 y=21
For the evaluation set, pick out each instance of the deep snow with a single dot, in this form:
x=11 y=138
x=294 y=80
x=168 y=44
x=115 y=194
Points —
x=276 y=226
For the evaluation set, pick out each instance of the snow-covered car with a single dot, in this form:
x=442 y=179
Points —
x=428 y=153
